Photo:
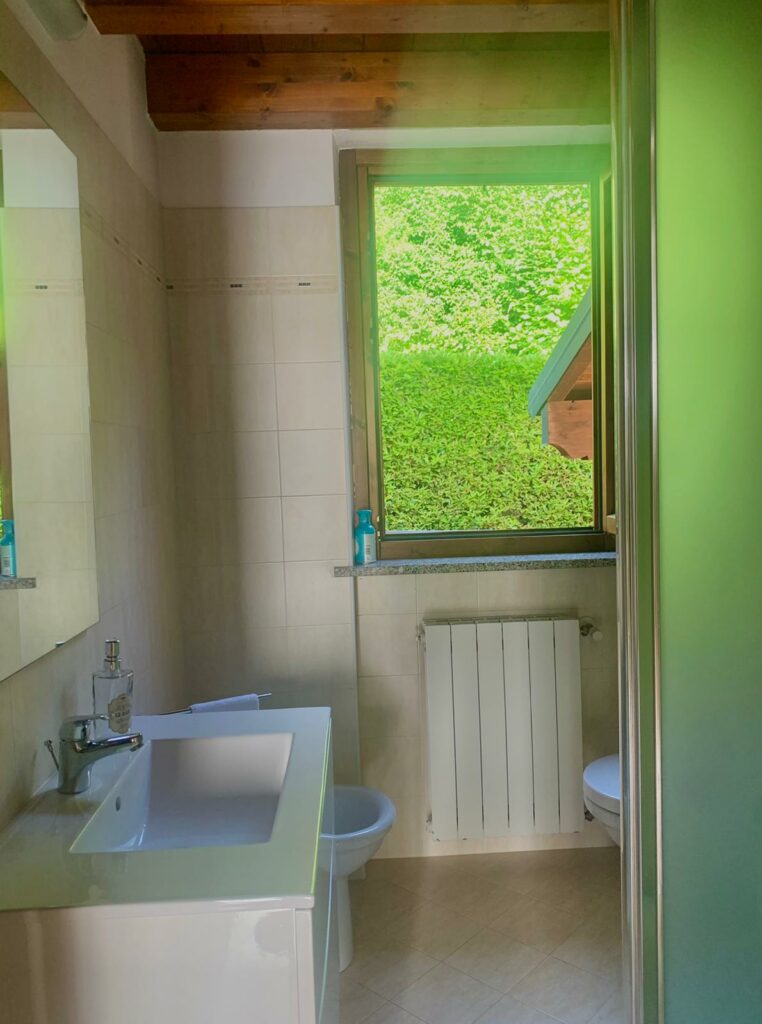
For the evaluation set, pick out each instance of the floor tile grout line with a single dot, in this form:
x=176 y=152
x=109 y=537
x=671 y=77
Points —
x=432 y=894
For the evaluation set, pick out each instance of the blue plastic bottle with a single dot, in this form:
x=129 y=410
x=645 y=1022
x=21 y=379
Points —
x=7 y=548
x=365 y=538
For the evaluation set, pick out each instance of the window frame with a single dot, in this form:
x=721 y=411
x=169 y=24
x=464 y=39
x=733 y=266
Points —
x=359 y=172
x=6 y=477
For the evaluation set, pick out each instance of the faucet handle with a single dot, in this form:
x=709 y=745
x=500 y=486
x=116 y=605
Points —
x=78 y=728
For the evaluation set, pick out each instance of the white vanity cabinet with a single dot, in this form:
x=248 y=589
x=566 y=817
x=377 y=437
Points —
x=158 y=964
x=135 y=945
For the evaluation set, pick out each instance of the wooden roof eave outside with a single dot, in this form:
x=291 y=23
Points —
x=562 y=357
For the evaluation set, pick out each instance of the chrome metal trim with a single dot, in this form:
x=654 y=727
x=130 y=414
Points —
x=655 y=535
x=637 y=489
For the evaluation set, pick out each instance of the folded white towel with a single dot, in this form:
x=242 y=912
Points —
x=246 y=702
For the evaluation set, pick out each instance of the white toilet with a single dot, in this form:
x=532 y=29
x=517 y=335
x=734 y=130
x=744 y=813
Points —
x=602 y=790
x=362 y=818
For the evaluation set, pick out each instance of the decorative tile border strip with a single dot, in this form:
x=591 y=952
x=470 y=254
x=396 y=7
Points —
x=34 y=286
x=94 y=222
x=289 y=284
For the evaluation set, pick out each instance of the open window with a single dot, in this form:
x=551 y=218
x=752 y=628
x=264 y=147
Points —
x=478 y=310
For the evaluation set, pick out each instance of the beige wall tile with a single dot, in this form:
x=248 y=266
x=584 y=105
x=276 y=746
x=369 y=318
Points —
x=388 y=645
x=11 y=790
x=314 y=597
x=10 y=648
x=306 y=327
x=313 y=461
x=44 y=243
x=255 y=595
x=200 y=533
x=48 y=399
x=303 y=240
x=241 y=328
x=389 y=705
x=380 y=595
x=51 y=467
x=251 y=531
x=315 y=528
x=244 y=397
x=47 y=331
x=600 y=712
x=53 y=536
x=229 y=405
x=216 y=243
x=321 y=655
x=128 y=356
x=214 y=326
x=194 y=392
x=310 y=396
x=249 y=464
x=391 y=764
x=446 y=595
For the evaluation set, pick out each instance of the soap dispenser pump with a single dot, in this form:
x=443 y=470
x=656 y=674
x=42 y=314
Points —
x=112 y=690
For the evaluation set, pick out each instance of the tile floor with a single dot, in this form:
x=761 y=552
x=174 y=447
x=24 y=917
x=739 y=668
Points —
x=516 y=938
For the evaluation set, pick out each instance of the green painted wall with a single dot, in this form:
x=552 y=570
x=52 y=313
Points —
x=709 y=245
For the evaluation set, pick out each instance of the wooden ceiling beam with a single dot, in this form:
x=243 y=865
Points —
x=395 y=89
x=345 y=17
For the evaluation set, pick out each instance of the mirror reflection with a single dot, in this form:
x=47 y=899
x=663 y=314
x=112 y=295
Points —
x=48 y=586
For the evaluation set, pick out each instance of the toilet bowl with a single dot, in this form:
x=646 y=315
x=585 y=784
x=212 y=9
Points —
x=602 y=791
x=362 y=818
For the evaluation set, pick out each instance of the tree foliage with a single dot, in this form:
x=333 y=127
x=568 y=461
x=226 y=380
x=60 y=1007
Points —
x=485 y=268
x=474 y=287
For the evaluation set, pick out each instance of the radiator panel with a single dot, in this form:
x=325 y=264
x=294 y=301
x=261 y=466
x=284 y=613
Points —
x=542 y=682
x=518 y=719
x=504 y=727
x=441 y=728
x=468 y=752
x=489 y=638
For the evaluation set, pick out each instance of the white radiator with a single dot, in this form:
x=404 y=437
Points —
x=504 y=727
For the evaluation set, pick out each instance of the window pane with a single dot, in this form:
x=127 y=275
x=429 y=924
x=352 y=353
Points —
x=475 y=286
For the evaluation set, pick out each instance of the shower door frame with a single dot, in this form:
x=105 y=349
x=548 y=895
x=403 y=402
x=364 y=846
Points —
x=633 y=109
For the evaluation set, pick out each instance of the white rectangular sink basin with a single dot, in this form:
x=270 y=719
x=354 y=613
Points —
x=192 y=792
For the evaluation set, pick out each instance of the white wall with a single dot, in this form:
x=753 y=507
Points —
x=130 y=397
x=241 y=169
x=262 y=443
x=393 y=739
x=107 y=76
x=38 y=170
x=260 y=430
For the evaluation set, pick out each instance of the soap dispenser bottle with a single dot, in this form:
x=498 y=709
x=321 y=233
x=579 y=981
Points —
x=365 y=538
x=7 y=548
x=112 y=690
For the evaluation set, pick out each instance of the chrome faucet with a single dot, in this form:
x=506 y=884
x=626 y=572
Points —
x=78 y=749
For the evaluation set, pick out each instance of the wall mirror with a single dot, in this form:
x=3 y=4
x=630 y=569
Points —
x=46 y=493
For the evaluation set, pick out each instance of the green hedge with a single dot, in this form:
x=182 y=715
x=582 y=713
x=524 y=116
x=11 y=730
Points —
x=461 y=453
x=475 y=285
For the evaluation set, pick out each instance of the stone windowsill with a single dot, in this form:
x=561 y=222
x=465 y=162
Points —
x=17 y=583
x=487 y=563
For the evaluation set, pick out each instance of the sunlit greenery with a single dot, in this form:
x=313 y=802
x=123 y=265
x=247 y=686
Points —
x=474 y=287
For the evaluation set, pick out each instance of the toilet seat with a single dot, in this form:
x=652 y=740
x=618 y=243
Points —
x=602 y=790
x=601 y=783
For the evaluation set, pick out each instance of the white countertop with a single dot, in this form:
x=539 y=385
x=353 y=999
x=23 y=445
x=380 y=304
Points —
x=37 y=869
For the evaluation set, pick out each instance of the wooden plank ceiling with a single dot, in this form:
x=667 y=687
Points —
x=214 y=64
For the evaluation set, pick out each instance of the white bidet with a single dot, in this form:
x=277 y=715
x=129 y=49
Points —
x=362 y=818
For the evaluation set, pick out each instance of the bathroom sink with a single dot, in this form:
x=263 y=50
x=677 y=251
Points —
x=192 y=792
x=206 y=851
